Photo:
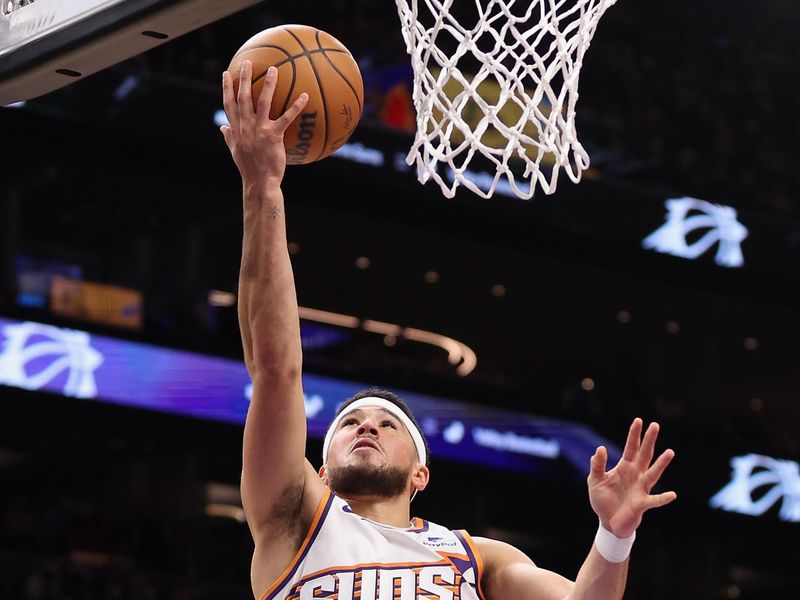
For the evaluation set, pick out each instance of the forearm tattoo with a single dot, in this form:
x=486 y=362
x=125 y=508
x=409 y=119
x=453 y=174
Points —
x=274 y=211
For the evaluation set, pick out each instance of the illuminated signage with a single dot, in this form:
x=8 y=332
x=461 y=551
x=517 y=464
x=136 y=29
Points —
x=36 y=356
x=35 y=279
x=772 y=480
x=511 y=442
x=75 y=363
x=98 y=302
x=359 y=153
x=718 y=220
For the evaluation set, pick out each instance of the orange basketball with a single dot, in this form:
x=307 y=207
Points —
x=311 y=61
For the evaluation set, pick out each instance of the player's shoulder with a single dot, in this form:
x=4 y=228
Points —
x=496 y=554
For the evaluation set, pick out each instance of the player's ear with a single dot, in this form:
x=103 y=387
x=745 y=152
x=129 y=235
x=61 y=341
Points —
x=420 y=478
x=323 y=475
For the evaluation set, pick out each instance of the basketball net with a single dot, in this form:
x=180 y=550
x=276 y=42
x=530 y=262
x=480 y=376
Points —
x=503 y=88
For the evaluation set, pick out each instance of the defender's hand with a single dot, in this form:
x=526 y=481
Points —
x=621 y=496
x=256 y=141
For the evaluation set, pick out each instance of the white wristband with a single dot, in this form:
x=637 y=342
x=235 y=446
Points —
x=612 y=548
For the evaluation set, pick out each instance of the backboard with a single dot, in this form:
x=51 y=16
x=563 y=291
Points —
x=47 y=44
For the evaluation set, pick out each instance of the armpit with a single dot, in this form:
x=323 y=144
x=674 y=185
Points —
x=285 y=518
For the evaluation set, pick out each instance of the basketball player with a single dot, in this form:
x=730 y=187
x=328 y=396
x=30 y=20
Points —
x=345 y=531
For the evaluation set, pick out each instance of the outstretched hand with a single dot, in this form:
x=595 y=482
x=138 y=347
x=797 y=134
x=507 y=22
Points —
x=621 y=496
x=255 y=140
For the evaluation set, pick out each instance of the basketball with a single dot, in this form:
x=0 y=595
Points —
x=311 y=61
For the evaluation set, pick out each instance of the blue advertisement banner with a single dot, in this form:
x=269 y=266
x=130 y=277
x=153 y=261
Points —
x=78 y=364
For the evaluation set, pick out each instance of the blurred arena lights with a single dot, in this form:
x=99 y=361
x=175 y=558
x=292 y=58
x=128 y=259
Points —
x=125 y=88
x=220 y=298
x=361 y=154
x=750 y=343
x=220 y=118
x=381 y=328
x=226 y=511
x=431 y=277
x=225 y=501
x=330 y=318
x=733 y=591
x=458 y=353
x=362 y=262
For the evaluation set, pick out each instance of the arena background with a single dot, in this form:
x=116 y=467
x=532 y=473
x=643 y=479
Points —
x=123 y=180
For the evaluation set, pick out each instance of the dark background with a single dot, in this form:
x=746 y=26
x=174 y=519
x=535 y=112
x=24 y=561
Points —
x=677 y=99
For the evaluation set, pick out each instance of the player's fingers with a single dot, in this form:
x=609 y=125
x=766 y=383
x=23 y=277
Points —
x=648 y=446
x=226 y=134
x=267 y=91
x=633 y=441
x=598 y=464
x=291 y=113
x=655 y=472
x=244 y=98
x=659 y=500
x=229 y=99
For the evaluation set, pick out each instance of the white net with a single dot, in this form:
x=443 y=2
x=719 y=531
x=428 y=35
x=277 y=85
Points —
x=497 y=83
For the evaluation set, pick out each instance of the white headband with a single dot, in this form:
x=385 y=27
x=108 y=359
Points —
x=387 y=406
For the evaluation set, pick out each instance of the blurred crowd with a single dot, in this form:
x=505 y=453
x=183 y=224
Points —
x=701 y=98
x=97 y=531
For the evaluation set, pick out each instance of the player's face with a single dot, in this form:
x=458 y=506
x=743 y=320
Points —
x=372 y=435
x=371 y=453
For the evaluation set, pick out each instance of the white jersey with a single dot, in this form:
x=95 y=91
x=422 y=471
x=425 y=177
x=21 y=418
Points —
x=349 y=557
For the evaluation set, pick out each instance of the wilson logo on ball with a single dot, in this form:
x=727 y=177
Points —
x=305 y=137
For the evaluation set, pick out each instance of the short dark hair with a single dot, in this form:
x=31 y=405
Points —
x=394 y=399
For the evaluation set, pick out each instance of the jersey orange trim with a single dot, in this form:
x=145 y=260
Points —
x=474 y=548
x=376 y=565
x=313 y=529
x=449 y=556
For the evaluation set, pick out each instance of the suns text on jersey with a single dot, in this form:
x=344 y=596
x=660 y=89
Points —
x=387 y=582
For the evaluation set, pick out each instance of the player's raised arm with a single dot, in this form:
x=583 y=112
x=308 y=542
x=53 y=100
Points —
x=275 y=431
x=619 y=497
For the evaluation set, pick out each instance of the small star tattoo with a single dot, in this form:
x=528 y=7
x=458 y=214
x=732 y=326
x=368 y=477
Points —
x=274 y=212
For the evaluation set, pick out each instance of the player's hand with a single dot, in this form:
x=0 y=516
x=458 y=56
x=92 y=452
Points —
x=255 y=140
x=621 y=496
